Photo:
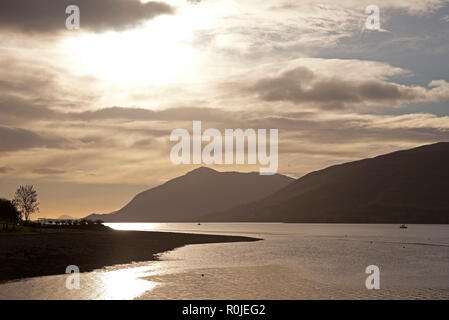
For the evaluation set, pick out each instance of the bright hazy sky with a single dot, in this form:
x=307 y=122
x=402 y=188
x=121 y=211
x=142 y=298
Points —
x=85 y=115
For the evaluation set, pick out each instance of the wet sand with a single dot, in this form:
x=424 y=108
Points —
x=49 y=252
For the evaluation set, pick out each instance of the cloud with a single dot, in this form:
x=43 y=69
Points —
x=97 y=16
x=130 y=144
x=32 y=89
x=14 y=139
x=409 y=6
x=142 y=114
x=48 y=171
x=4 y=170
x=301 y=85
x=14 y=110
x=300 y=28
x=304 y=126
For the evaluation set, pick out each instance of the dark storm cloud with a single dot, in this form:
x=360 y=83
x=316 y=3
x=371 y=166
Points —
x=301 y=85
x=13 y=139
x=96 y=15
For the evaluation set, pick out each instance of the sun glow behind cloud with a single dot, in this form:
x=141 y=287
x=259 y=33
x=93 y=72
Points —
x=159 y=53
x=135 y=57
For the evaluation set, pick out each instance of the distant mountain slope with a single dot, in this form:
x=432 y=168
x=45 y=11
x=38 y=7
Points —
x=199 y=192
x=65 y=217
x=410 y=186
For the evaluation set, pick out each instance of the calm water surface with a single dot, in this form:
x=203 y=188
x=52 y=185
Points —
x=294 y=261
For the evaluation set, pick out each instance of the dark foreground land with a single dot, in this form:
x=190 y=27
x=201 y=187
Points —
x=49 y=251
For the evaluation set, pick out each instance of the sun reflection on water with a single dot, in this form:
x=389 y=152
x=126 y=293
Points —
x=125 y=284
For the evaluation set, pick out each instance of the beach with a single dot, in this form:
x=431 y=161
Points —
x=50 y=251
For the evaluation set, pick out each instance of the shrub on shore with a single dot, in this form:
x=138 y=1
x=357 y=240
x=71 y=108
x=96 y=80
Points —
x=9 y=215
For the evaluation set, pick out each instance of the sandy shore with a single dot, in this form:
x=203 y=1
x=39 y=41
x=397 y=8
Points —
x=49 y=252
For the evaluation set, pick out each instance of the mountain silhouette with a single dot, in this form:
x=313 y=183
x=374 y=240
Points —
x=410 y=186
x=194 y=194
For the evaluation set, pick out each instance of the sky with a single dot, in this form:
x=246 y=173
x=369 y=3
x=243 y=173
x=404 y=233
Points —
x=86 y=114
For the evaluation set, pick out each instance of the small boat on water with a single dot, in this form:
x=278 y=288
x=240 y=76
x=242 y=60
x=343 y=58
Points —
x=403 y=226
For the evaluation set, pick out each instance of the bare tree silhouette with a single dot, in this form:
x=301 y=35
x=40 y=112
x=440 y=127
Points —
x=25 y=200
